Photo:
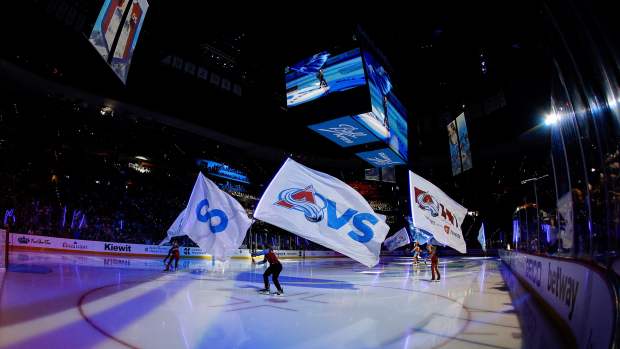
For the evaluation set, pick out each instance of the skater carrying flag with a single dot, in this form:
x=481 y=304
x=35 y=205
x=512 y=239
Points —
x=275 y=267
x=169 y=253
x=416 y=253
x=435 y=264
x=173 y=253
x=429 y=251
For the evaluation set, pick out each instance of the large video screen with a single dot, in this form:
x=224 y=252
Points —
x=388 y=174
x=464 y=142
x=344 y=131
x=387 y=118
x=460 y=152
x=455 y=154
x=372 y=174
x=221 y=170
x=381 y=157
x=116 y=32
x=322 y=74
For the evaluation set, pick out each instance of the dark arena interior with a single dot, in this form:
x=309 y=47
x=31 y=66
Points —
x=184 y=175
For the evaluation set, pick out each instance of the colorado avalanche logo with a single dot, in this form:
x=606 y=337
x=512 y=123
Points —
x=304 y=200
x=427 y=202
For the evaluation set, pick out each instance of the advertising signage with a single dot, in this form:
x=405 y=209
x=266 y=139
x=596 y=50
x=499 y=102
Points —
x=344 y=131
x=381 y=157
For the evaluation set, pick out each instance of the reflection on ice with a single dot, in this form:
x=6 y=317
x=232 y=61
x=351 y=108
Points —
x=86 y=301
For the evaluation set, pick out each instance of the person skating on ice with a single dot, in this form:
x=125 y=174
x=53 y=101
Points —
x=173 y=254
x=429 y=251
x=274 y=269
x=416 y=253
x=435 y=264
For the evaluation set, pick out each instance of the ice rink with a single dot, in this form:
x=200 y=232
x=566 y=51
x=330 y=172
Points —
x=82 y=301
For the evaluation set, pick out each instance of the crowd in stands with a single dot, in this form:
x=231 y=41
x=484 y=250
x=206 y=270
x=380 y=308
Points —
x=582 y=222
x=77 y=173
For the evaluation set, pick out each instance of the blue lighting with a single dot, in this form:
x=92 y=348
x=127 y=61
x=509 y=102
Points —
x=547 y=229
x=223 y=171
x=516 y=232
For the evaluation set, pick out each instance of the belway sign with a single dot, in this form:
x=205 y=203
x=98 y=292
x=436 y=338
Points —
x=579 y=294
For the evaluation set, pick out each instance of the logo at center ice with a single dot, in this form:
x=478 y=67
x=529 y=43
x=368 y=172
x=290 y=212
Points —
x=208 y=215
x=315 y=207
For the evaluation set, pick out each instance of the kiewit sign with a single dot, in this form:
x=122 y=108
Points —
x=580 y=295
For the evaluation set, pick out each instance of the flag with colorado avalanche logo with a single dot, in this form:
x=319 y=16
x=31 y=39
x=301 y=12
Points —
x=213 y=219
x=399 y=239
x=325 y=210
x=434 y=212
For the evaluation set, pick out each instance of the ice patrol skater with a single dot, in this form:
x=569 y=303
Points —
x=429 y=251
x=416 y=253
x=435 y=264
x=275 y=267
x=173 y=253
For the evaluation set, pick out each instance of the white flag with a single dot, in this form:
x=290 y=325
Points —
x=435 y=212
x=381 y=216
x=401 y=238
x=481 y=238
x=214 y=220
x=323 y=209
x=175 y=228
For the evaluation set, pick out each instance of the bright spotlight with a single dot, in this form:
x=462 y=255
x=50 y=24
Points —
x=552 y=118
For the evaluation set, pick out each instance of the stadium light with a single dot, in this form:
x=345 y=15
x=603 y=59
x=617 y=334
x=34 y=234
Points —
x=552 y=118
x=612 y=103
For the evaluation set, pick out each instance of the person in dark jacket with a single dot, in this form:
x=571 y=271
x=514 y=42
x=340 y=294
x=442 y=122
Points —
x=274 y=269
